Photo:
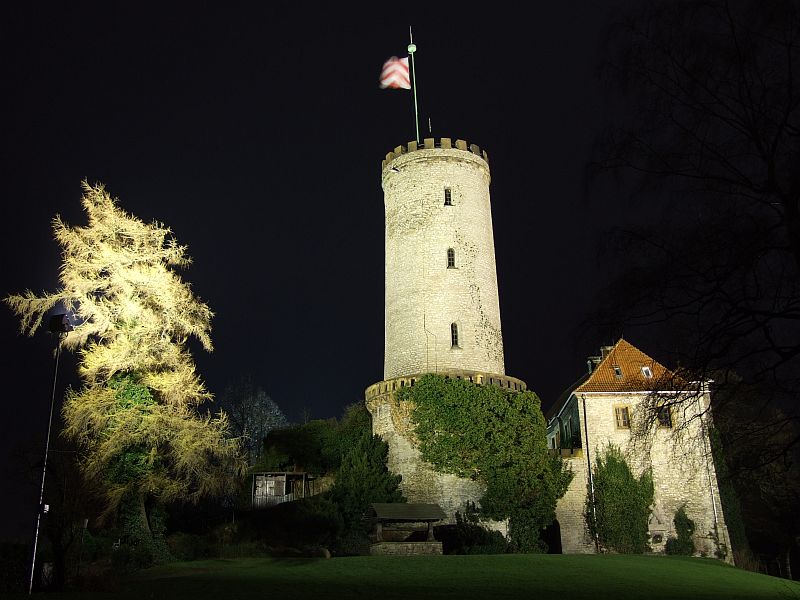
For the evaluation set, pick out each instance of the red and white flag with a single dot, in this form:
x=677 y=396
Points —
x=395 y=74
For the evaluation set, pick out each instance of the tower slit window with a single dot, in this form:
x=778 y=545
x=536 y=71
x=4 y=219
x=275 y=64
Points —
x=451 y=258
x=448 y=197
x=454 y=335
x=664 y=417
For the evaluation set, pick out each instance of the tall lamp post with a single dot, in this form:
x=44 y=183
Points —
x=59 y=325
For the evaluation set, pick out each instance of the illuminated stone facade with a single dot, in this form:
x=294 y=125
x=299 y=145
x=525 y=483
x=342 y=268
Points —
x=606 y=407
x=440 y=278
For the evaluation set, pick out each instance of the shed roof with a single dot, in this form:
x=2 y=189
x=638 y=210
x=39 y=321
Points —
x=399 y=511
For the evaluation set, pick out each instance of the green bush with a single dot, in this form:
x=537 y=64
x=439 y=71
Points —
x=188 y=546
x=684 y=528
x=123 y=560
x=92 y=547
x=317 y=446
x=354 y=542
x=309 y=522
x=621 y=511
x=467 y=536
x=363 y=479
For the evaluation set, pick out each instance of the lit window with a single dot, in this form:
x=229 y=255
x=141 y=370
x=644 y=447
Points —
x=617 y=371
x=647 y=372
x=454 y=335
x=623 y=417
x=664 y=417
x=451 y=258
x=448 y=198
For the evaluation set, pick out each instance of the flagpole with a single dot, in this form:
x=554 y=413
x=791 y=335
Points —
x=411 y=49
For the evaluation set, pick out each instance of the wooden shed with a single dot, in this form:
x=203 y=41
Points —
x=275 y=487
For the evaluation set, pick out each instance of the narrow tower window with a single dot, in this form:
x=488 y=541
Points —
x=454 y=335
x=451 y=258
x=664 y=417
x=448 y=198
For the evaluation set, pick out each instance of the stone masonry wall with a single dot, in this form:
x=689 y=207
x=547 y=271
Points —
x=405 y=548
x=423 y=295
x=683 y=473
x=421 y=483
x=575 y=536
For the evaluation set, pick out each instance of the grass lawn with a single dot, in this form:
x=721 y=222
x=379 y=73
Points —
x=452 y=577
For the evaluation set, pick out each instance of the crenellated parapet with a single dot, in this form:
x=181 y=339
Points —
x=478 y=377
x=433 y=143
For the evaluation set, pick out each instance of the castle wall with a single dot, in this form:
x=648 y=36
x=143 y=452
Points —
x=575 y=536
x=420 y=483
x=391 y=419
x=682 y=468
x=422 y=295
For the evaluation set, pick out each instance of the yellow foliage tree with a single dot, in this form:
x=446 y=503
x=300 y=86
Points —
x=136 y=416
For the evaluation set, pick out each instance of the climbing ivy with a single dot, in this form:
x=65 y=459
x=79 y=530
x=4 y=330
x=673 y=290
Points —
x=495 y=436
x=619 y=515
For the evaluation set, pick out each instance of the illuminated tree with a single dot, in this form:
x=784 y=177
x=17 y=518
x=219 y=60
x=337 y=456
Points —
x=136 y=417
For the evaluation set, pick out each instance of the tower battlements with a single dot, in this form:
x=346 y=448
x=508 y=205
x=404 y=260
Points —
x=432 y=143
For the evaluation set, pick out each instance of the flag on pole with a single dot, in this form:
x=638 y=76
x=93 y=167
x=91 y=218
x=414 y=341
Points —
x=394 y=74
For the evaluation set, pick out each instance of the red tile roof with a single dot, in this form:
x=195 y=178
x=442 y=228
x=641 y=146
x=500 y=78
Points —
x=622 y=369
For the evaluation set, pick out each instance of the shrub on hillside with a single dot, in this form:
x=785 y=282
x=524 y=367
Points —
x=684 y=528
x=304 y=523
x=467 y=536
x=191 y=546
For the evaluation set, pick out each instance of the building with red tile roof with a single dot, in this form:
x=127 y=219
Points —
x=628 y=399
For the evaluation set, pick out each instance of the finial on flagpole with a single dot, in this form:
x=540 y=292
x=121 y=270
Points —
x=411 y=50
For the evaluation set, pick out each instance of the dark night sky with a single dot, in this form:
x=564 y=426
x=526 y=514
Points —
x=256 y=134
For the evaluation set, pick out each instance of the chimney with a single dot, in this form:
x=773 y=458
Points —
x=605 y=351
x=592 y=362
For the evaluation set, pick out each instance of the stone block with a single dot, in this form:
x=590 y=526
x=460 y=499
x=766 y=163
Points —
x=405 y=548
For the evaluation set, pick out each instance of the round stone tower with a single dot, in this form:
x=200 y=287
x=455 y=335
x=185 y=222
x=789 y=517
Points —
x=442 y=309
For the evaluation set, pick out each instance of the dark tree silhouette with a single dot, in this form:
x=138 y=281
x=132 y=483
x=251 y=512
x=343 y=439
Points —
x=768 y=494
x=708 y=135
x=252 y=414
